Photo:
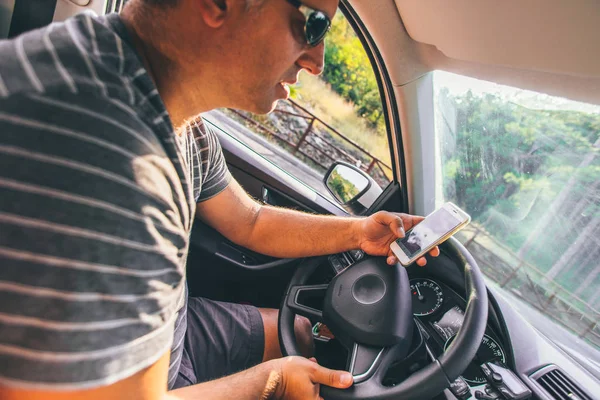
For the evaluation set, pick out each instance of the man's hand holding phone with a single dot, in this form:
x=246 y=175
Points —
x=378 y=231
x=430 y=231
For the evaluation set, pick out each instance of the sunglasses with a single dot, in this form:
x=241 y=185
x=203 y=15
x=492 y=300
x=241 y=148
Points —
x=317 y=23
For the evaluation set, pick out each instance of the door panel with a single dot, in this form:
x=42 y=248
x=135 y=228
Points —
x=265 y=193
x=254 y=172
x=222 y=270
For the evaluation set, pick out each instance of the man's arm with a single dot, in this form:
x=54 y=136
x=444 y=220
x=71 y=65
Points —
x=289 y=378
x=276 y=231
x=284 y=233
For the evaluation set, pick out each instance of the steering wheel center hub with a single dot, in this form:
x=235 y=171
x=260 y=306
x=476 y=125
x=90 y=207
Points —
x=370 y=302
x=368 y=289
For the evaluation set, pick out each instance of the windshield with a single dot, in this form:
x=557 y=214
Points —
x=526 y=167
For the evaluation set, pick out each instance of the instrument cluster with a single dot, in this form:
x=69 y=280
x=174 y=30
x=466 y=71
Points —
x=440 y=312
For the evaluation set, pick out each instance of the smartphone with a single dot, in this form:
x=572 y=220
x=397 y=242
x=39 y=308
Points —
x=433 y=230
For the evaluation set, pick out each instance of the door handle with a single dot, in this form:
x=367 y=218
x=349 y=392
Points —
x=266 y=197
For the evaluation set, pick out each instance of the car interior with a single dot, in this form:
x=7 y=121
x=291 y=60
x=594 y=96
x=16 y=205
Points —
x=462 y=339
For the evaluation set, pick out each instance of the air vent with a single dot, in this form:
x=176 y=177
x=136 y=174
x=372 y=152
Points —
x=558 y=385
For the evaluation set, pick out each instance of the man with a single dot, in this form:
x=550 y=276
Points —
x=103 y=166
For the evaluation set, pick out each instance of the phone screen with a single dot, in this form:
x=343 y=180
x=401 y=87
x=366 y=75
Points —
x=429 y=231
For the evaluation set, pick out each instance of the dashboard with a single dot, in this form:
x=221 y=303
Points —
x=528 y=358
x=440 y=313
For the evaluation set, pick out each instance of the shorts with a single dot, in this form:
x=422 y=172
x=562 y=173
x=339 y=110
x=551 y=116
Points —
x=221 y=339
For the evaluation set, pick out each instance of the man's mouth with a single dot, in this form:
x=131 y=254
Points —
x=286 y=87
x=288 y=83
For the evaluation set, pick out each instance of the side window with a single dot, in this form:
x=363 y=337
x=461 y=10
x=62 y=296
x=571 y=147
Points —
x=337 y=116
x=526 y=167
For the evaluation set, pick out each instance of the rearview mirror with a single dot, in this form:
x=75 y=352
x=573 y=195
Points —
x=346 y=183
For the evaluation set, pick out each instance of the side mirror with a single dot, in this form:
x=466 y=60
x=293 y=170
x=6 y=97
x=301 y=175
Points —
x=348 y=184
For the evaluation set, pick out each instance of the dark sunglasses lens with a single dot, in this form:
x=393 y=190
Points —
x=317 y=25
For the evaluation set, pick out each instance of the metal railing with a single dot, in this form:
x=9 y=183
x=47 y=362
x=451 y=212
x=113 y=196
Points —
x=529 y=283
x=315 y=140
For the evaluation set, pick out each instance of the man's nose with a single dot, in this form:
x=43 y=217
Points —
x=312 y=59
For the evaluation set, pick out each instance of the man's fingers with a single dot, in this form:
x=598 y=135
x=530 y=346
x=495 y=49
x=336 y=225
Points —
x=412 y=220
x=329 y=377
x=391 y=258
x=421 y=262
x=392 y=220
x=397 y=226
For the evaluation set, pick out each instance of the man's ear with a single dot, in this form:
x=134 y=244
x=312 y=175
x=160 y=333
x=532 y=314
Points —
x=214 y=11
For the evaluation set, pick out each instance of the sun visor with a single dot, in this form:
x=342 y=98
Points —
x=560 y=37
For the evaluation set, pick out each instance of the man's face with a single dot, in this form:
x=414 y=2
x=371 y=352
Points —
x=270 y=51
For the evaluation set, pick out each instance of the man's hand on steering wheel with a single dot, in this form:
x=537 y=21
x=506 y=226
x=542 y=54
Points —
x=379 y=230
x=300 y=378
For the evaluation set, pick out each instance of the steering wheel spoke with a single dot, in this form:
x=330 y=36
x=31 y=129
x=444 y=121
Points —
x=365 y=360
x=299 y=293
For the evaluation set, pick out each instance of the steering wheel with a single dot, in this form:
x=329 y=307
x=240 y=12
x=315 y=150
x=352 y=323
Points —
x=368 y=308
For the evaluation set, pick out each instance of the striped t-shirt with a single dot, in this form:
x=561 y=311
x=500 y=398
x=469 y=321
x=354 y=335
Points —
x=97 y=199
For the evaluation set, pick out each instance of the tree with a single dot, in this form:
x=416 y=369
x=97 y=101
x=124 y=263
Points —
x=350 y=74
x=530 y=177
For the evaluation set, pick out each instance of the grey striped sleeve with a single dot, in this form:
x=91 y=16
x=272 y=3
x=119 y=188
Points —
x=216 y=175
x=91 y=243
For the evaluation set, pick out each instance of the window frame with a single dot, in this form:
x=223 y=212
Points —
x=390 y=109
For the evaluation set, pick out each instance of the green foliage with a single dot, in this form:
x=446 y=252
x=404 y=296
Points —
x=511 y=167
x=318 y=97
x=343 y=188
x=348 y=71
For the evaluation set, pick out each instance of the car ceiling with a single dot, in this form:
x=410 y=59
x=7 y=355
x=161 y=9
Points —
x=549 y=46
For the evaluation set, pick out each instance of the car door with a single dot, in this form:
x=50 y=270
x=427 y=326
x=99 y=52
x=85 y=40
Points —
x=281 y=160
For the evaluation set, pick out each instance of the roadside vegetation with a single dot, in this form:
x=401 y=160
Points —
x=343 y=189
x=346 y=95
x=315 y=94
x=531 y=177
x=350 y=74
